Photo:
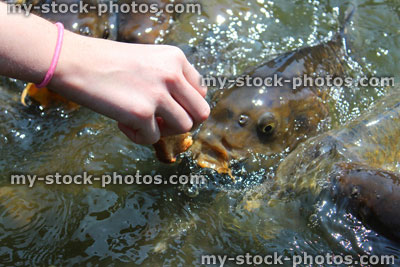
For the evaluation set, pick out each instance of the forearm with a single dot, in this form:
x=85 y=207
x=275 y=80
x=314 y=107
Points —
x=133 y=84
x=26 y=45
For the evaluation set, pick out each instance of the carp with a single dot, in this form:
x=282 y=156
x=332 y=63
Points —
x=359 y=165
x=266 y=119
x=270 y=120
x=102 y=21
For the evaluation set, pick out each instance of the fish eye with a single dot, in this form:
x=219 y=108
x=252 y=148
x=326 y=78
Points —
x=243 y=119
x=267 y=123
x=268 y=128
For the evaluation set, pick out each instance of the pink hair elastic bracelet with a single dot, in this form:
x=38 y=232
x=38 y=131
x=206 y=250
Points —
x=57 y=52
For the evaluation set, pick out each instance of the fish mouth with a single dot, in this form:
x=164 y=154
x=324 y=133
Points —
x=215 y=156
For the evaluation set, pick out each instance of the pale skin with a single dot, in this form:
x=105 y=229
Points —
x=133 y=84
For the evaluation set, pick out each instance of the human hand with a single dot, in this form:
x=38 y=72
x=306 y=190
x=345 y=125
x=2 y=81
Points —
x=151 y=90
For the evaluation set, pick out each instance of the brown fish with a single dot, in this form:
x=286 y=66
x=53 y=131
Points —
x=268 y=120
x=359 y=164
x=126 y=27
x=372 y=194
x=89 y=24
x=143 y=28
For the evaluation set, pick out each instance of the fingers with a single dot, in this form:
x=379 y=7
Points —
x=129 y=132
x=175 y=119
x=190 y=100
x=194 y=78
x=147 y=133
x=173 y=105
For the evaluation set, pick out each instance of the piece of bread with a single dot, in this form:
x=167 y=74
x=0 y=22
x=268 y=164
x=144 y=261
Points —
x=168 y=148
x=46 y=98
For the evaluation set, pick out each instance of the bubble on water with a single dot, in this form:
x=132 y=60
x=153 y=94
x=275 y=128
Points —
x=220 y=19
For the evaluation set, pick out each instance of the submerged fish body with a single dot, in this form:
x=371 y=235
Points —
x=359 y=165
x=144 y=28
x=269 y=120
x=371 y=194
x=89 y=24
x=121 y=26
x=372 y=140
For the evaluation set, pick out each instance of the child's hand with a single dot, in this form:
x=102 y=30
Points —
x=134 y=84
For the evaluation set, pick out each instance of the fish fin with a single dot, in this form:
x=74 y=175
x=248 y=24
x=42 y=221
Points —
x=341 y=38
x=46 y=98
x=348 y=17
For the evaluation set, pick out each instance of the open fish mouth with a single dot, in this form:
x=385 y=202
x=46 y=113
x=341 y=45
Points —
x=217 y=156
x=211 y=156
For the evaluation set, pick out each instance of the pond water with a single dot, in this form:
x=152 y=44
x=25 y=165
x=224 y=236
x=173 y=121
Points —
x=170 y=225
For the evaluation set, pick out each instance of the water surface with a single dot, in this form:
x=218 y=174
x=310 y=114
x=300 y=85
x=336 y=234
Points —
x=164 y=225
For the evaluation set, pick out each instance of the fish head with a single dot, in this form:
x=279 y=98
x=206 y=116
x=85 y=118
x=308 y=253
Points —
x=246 y=120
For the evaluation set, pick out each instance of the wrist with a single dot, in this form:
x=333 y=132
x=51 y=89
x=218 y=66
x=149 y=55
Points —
x=83 y=66
x=68 y=76
x=50 y=73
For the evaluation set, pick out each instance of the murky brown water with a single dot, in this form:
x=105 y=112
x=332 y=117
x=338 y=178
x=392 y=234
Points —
x=162 y=225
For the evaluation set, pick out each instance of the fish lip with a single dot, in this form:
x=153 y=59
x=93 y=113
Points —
x=216 y=154
x=220 y=150
x=211 y=155
x=228 y=146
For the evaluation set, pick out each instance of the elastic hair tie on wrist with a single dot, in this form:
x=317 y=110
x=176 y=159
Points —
x=57 y=52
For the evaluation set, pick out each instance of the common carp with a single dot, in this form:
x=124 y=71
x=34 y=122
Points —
x=358 y=164
x=269 y=120
x=120 y=26
x=372 y=194
x=144 y=28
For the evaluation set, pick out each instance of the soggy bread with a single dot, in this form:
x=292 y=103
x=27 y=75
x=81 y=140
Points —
x=168 y=148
